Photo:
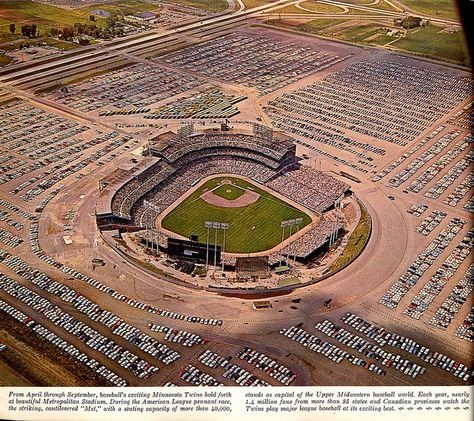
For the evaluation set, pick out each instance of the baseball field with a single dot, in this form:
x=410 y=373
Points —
x=253 y=227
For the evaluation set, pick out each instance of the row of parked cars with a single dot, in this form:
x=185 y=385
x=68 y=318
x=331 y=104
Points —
x=5 y=216
x=435 y=285
x=61 y=170
x=469 y=206
x=439 y=165
x=92 y=310
x=10 y=239
x=15 y=209
x=389 y=168
x=412 y=168
x=370 y=350
x=132 y=86
x=453 y=303
x=195 y=376
x=327 y=349
x=417 y=209
x=35 y=247
x=465 y=331
x=62 y=345
x=453 y=175
x=178 y=336
x=107 y=113
x=278 y=371
x=80 y=330
x=232 y=371
x=425 y=260
x=430 y=222
x=383 y=336
x=463 y=188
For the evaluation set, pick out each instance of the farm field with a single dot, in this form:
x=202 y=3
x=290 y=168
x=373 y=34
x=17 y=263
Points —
x=443 y=8
x=441 y=44
x=211 y=5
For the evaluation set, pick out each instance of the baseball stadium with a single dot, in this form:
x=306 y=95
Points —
x=232 y=199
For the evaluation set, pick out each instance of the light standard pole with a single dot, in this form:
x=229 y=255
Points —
x=208 y=226
x=216 y=226
x=283 y=225
x=154 y=212
x=224 y=227
x=298 y=221
x=291 y=222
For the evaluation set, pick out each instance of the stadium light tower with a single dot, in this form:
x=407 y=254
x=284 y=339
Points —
x=298 y=221
x=208 y=226
x=283 y=225
x=154 y=212
x=224 y=228
x=216 y=226
x=291 y=222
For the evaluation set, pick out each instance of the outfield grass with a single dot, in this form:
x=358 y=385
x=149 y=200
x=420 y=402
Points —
x=252 y=228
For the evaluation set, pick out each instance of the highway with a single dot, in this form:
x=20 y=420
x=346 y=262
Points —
x=20 y=74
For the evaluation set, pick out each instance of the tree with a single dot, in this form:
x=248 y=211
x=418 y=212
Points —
x=25 y=30
x=67 y=33
x=411 y=22
x=79 y=28
x=33 y=30
x=92 y=18
x=12 y=28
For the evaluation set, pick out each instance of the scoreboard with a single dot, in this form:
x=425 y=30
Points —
x=193 y=251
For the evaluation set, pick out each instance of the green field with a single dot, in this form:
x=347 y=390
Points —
x=430 y=42
x=46 y=17
x=312 y=6
x=250 y=4
x=211 y=5
x=442 y=8
x=252 y=228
